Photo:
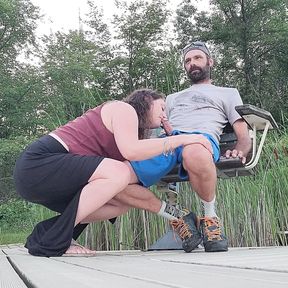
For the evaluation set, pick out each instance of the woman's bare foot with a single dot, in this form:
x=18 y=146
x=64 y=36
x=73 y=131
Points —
x=77 y=249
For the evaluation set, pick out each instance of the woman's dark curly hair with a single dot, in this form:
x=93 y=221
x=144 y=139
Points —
x=141 y=100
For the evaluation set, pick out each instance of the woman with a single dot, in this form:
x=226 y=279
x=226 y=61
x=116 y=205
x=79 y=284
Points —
x=78 y=168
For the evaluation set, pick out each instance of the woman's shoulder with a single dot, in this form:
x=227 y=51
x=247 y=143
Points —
x=117 y=105
x=118 y=110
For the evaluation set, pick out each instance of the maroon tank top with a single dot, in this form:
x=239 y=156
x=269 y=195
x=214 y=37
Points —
x=87 y=135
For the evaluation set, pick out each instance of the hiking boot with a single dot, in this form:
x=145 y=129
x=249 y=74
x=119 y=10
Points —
x=187 y=229
x=213 y=238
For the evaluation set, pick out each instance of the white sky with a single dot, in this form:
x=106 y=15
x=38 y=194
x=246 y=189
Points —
x=63 y=14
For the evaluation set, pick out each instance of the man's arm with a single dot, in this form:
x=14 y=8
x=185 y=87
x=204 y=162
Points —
x=243 y=145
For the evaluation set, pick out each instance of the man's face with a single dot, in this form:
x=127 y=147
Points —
x=197 y=66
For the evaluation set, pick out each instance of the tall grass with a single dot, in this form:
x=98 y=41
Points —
x=17 y=219
x=254 y=210
x=134 y=230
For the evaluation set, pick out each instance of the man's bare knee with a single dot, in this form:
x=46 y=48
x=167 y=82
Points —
x=196 y=156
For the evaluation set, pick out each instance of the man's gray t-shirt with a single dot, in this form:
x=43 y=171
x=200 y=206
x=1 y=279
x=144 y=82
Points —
x=204 y=108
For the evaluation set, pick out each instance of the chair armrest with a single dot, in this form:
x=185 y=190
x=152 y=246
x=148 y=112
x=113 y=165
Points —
x=229 y=163
x=256 y=117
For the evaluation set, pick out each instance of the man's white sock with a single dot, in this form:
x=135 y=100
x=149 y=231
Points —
x=209 y=208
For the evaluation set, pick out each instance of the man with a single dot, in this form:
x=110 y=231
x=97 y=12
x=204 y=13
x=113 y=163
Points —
x=204 y=109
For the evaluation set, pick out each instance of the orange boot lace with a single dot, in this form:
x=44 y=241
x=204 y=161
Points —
x=212 y=228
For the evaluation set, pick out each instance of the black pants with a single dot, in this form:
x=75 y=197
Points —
x=47 y=174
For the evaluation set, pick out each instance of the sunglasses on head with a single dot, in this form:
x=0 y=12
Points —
x=196 y=44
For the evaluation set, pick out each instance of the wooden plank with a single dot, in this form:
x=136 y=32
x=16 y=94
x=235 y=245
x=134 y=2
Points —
x=253 y=267
x=8 y=277
x=264 y=258
x=176 y=269
x=13 y=249
x=46 y=273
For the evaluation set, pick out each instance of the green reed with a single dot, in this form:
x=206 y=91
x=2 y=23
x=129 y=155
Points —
x=254 y=209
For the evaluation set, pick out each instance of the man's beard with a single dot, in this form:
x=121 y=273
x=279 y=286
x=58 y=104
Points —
x=197 y=74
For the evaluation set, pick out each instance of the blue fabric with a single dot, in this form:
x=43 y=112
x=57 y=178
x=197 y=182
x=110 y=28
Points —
x=216 y=154
x=150 y=171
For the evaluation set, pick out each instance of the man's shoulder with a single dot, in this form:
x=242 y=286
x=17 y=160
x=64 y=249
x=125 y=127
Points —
x=226 y=89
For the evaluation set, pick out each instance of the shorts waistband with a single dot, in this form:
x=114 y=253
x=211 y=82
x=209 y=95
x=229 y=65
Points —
x=51 y=144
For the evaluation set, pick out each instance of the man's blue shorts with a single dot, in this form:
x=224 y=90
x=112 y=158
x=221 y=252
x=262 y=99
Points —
x=150 y=171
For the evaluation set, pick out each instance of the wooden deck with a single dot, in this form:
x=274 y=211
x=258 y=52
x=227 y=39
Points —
x=239 y=267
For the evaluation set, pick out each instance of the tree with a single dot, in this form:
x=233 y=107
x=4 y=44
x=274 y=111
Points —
x=247 y=37
x=68 y=75
x=99 y=34
x=17 y=25
x=140 y=34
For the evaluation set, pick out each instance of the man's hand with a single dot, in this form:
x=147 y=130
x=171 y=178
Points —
x=235 y=154
x=243 y=145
